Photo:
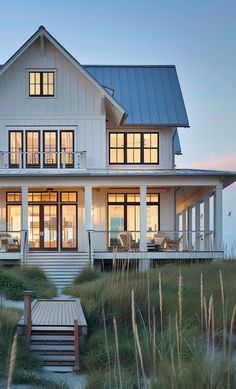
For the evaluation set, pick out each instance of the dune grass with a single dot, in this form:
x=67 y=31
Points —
x=26 y=367
x=14 y=280
x=173 y=333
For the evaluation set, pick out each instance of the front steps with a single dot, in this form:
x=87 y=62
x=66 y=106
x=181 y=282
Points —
x=60 y=267
x=55 y=347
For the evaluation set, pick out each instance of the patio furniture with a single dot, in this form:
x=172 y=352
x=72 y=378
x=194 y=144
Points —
x=171 y=244
x=127 y=242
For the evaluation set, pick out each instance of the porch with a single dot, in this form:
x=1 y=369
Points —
x=154 y=222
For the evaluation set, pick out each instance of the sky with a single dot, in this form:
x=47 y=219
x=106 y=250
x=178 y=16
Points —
x=198 y=36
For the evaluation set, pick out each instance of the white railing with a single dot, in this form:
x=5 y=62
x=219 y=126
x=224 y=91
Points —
x=156 y=240
x=43 y=159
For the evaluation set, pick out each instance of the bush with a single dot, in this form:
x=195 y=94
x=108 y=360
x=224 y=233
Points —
x=14 y=281
x=88 y=274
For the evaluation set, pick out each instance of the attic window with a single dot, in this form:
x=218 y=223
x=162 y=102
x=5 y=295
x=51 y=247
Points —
x=41 y=84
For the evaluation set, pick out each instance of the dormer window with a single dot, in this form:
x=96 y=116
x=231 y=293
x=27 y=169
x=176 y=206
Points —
x=41 y=84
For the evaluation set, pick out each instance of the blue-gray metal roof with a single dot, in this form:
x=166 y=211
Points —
x=151 y=95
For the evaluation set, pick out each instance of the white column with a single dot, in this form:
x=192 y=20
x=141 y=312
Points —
x=24 y=208
x=184 y=229
x=88 y=219
x=2 y=210
x=144 y=262
x=206 y=223
x=24 y=222
x=197 y=226
x=218 y=217
x=190 y=228
x=88 y=204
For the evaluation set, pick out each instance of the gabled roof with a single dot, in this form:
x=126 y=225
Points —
x=42 y=32
x=151 y=95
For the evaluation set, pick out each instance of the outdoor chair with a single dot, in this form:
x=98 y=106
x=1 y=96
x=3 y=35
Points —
x=127 y=242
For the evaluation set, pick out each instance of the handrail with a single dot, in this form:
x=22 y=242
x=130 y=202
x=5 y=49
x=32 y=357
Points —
x=43 y=159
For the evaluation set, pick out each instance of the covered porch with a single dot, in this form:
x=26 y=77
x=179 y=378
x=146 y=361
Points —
x=156 y=219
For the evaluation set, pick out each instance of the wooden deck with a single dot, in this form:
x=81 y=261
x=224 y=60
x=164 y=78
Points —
x=53 y=333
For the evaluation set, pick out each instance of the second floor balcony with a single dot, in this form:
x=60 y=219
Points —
x=43 y=160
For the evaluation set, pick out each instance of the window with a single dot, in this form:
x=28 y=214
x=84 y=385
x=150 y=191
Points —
x=15 y=148
x=50 y=148
x=67 y=148
x=117 y=148
x=124 y=215
x=41 y=84
x=134 y=148
x=33 y=148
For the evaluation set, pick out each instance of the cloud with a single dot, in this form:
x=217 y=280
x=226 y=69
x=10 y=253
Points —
x=223 y=162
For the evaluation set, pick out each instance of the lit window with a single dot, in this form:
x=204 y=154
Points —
x=134 y=148
x=41 y=84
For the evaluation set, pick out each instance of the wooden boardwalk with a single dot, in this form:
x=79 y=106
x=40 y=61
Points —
x=53 y=334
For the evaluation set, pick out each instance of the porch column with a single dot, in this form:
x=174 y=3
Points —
x=197 y=226
x=184 y=229
x=88 y=218
x=206 y=203
x=144 y=262
x=218 y=217
x=190 y=228
x=2 y=210
x=24 y=223
x=88 y=204
x=24 y=208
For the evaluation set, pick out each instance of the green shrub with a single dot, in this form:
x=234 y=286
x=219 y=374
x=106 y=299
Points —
x=86 y=275
x=14 y=281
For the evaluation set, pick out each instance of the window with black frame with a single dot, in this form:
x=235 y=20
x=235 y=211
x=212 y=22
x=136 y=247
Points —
x=133 y=148
x=124 y=218
x=41 y=84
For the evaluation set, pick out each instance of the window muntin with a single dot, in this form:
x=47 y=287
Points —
x=41 y=84
x=33 y=148
x=134 y=148
x=15 y=148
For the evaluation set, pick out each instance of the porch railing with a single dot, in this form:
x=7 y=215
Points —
x=43 y=159
x=156 y=240
x=10 y=241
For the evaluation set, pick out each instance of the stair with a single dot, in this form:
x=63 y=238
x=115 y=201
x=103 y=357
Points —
x=61 y=268
x=55 y=347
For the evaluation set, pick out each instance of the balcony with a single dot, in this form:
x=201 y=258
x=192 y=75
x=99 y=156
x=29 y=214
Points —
x=43 y=160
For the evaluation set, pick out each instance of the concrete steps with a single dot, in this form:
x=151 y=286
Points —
x=61 y=268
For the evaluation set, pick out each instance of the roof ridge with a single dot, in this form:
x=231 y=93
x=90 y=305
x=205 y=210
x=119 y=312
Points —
x=129 y=66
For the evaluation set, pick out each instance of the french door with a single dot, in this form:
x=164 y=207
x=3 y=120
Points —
x=43 y=227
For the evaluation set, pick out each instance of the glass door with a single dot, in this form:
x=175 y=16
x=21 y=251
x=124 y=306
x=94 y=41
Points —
x=68 y=226
x=50 y=148
x=33 y=148
x=67 y=148
x=42 y=227
x=49 y=227
x=116 y=223
x=34 y=238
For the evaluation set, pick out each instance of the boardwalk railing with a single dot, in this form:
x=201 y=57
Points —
x=42 y=160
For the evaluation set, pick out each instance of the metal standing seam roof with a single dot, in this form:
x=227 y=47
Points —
x=151 y=95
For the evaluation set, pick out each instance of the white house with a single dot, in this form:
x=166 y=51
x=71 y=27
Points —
x=87 y=164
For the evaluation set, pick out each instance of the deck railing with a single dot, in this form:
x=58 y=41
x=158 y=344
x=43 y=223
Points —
x=43 y=160
x=156 y=240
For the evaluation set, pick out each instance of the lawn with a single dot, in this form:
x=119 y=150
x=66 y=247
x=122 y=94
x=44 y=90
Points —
x=15 y=280
x=168 y=328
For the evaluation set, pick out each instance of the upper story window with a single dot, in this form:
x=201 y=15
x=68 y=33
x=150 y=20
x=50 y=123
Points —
x=41 y=84
x=134 y=148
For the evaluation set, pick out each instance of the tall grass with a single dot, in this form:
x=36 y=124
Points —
x=159 y=329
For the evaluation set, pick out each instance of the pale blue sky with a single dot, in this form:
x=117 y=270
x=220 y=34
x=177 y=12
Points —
x=197 y=36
